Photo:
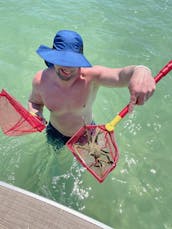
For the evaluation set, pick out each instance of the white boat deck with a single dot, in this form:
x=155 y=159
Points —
x=20 y=209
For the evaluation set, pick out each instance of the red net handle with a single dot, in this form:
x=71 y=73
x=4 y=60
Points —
x=163 y=72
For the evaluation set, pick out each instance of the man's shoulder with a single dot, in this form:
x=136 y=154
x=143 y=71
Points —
x=37 y=78
x=38 y=74
x=91 y=70
x=42 y=74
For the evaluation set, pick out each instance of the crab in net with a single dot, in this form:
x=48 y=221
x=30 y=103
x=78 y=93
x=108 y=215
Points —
x=95 y=148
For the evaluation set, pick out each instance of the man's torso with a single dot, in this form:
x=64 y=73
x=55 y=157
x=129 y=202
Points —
x=70 y=107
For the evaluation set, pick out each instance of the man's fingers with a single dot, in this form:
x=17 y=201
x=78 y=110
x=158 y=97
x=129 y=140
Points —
x=132 y=103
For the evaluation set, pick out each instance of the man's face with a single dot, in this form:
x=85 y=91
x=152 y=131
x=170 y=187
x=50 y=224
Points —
x=66 y=73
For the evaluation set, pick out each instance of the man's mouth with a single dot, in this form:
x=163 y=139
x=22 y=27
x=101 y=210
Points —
x=65 y=72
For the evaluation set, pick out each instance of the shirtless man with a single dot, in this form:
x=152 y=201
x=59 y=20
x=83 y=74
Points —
x=69 y=85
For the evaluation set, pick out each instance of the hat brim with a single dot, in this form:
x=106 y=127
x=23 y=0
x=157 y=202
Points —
x=62 y=58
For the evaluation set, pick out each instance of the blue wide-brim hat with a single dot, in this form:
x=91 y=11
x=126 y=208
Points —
x=67 y=50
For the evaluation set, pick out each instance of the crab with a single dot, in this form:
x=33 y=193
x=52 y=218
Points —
x=94 y=149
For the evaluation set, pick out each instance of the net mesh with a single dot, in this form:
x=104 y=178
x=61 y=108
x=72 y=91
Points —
x=15 y=119
x=95 y=148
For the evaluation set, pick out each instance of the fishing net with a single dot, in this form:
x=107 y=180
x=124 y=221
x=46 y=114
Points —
x=95 y=148
x=15 y=119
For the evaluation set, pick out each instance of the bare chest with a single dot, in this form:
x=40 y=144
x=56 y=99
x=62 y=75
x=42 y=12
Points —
x=71 y=99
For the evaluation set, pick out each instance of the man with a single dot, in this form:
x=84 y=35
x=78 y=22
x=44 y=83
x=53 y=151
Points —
x=69 y=85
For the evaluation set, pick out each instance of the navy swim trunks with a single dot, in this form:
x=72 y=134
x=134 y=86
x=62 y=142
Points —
x=55 y=138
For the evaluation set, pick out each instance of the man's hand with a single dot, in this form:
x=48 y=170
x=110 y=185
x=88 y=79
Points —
x=141 y=86
x=40 y=116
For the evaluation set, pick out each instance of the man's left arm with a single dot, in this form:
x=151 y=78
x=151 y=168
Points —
x=138 y=79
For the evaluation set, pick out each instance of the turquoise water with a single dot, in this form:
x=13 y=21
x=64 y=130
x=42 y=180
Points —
x=137 y=194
